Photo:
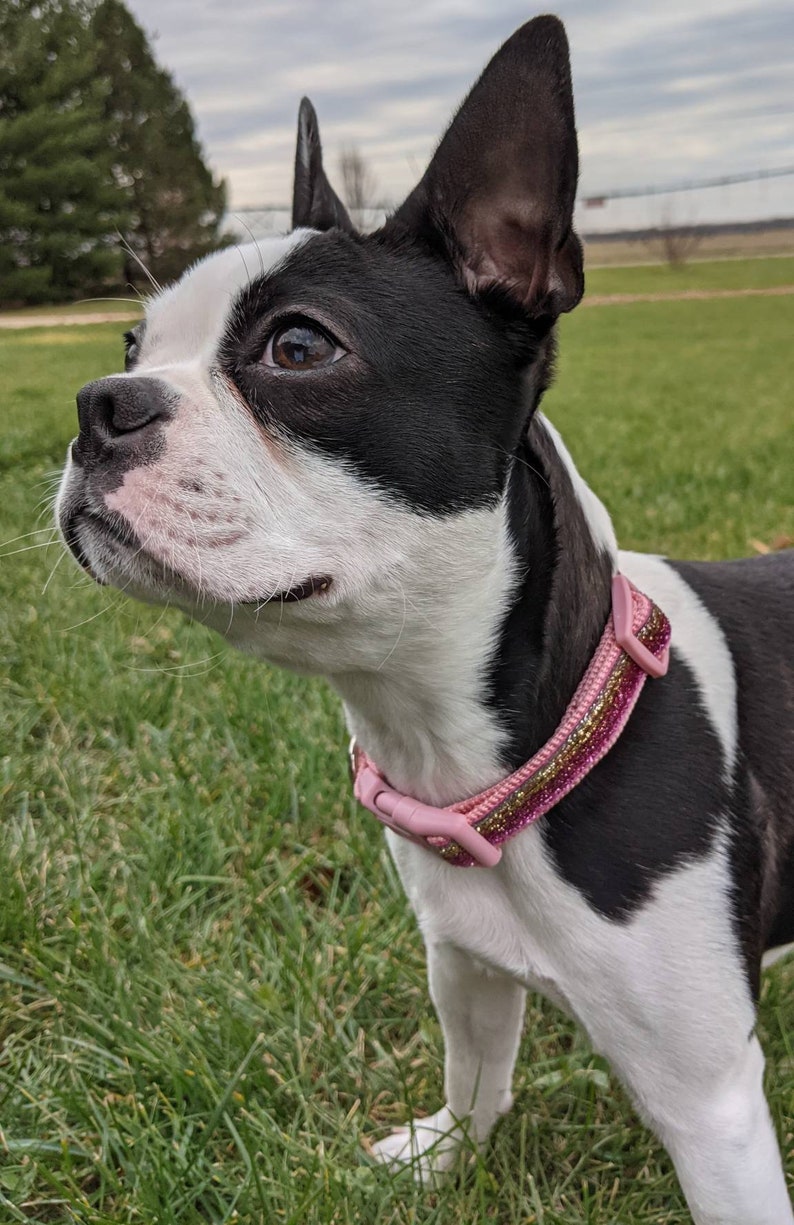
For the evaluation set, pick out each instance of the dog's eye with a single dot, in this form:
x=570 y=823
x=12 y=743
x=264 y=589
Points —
x=130 y=350
x=301 y=346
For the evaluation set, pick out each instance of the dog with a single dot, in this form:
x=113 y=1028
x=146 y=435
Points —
x=328 y=447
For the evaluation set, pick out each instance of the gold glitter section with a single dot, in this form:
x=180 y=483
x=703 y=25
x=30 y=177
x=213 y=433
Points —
x=654 y=634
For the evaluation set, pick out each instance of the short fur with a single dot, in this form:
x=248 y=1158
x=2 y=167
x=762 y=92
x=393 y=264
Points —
x=403 y=520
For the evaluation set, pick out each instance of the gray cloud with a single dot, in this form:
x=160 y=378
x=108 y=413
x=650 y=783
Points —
x=684 y=90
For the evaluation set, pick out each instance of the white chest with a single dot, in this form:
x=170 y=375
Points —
x=523 y=919
x=508 y=917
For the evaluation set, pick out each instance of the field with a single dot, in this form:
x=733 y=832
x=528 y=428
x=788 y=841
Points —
x=724 y=245
x=212 y=996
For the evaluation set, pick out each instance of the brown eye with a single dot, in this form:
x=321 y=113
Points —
x=301 y=346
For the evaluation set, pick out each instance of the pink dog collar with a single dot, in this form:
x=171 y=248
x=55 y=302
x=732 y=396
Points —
x=635 y=644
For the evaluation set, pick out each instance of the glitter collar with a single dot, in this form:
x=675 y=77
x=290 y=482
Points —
x=634 y=646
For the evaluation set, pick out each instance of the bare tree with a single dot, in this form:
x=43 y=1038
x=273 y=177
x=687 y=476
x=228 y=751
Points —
x=358 y=181
x=677 y=243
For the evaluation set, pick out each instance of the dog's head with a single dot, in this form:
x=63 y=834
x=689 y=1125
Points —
x=308 y=424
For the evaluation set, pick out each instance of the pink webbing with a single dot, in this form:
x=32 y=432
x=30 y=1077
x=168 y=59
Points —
x=606 y=656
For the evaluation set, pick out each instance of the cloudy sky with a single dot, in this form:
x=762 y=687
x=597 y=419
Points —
x=665 y=92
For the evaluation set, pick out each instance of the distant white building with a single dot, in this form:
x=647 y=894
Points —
x=757 y=201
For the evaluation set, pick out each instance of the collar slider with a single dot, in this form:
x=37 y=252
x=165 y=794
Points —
x=623 y=623
x=415 y=821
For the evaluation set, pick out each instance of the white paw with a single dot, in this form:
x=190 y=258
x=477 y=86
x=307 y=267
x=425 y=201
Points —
x=429 y=1146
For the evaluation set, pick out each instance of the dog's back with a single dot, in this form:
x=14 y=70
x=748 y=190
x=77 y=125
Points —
x=753 y=601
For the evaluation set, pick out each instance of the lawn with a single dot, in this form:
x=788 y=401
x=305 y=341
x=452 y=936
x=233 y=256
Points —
x=716 y=275
x=211 y=992
x=85 y=306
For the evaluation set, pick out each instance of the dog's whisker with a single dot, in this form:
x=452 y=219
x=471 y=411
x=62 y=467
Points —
x=239 y=251
x=26 y=536
x=519 y=459
x=286 y=587
x=129 y=249
x=108 y=607
x=400 y=632
x=30 y=548
x=250 y=232
x=51 y=481
x=189 y=668
x=87 y=301
x=59 y=559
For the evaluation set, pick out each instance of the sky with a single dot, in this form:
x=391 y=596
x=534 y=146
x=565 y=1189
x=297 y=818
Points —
x=665 y=92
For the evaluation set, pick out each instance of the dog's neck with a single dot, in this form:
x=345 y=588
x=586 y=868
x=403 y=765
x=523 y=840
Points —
x=484 y=669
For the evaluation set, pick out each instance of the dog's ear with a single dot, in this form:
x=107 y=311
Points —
x=498 y=195
x=315 y=204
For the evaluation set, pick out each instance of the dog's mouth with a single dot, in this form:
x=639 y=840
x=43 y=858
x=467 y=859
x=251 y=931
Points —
x=301 y=591
x=71 y=535
x=315 y=584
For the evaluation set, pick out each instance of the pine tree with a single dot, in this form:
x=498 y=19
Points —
x=176 y=205
x=59 y=206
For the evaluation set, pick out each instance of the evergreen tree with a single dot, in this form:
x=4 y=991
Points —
x=59 y=206
x=176 y=207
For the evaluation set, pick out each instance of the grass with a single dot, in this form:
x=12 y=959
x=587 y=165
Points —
x=211 y=992
x=712 y=275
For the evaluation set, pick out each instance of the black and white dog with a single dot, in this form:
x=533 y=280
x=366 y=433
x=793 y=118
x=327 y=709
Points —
x=328 y=447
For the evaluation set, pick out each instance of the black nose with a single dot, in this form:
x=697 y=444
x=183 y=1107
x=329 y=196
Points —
x=119 y=416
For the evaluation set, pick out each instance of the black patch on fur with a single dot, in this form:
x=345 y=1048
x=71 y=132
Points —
x=315 y=204
x=428 y=403
x=747 y=853
x=643 y=811
x=657 y=800
x=579 y=599
x=554 y=624
x=753 y=601
x=782 y=930
x=497 y=198
x=517 y=660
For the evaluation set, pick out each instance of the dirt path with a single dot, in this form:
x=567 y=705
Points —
x=686 y=295
x=611 y=299
x=54 y=321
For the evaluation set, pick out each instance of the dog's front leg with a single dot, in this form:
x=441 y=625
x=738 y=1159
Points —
x=481 y=1013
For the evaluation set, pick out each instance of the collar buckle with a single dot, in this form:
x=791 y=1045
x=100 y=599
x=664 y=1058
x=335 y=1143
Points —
x=415 y=821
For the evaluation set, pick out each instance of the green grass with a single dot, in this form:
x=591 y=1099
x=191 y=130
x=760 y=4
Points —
x=211 y=989
x=679 y=415
x=710 y=275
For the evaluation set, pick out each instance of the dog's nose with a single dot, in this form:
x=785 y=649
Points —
x=120 y=415
x=116 y=406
